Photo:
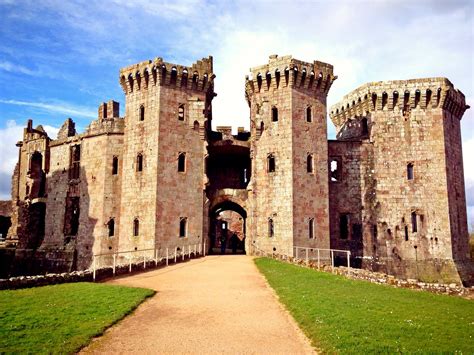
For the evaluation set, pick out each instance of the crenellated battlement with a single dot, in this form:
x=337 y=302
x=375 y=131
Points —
x=401 y=96
x=141 y=76
x=282 y=72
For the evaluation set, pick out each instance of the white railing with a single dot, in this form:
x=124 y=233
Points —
x=319 y=254
x=308 y=254
x=151 y=255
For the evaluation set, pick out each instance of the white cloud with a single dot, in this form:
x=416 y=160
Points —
x=14 y=68
x=60 y=107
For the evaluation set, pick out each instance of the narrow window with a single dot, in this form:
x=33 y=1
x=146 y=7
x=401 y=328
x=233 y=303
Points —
x=309 y=116
x=303 y=77
x=384 y=100
x=406 y=233
x=311 y=228
x=181 y=112
x=365 y=126
x=71 y=216
x=271 y=228
x=75 y=165
x=395 y=98
x=111 y=227
x=183 y=221
x=335 y=169
x=309 y=163
x=277 y=78
x=406 y=102
x=414 y=227
x=274 y=114
x=136 y=227
x=287 y=76
x=374 y=231
x=343 y=226
x=268 y=78
x=195 y=80
x=417 y=97
x=196 y=126
x=184 y=78
x=271 y=163
x=259 y=81
x=438 y=97
x=428 y=97
x=410 y=171
x=139 y=162
x=174 y=75
x=182 y=162
x=142 y=113
x=114 y=165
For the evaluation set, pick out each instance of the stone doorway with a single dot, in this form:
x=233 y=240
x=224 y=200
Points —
x=227 y=232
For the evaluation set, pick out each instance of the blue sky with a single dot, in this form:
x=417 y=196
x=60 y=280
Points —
x=60 y=59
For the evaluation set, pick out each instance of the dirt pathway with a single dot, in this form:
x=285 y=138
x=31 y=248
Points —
x=218 y=304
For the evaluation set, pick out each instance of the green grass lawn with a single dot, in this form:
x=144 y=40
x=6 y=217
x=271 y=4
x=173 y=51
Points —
x=62 y=318
x=348 y=316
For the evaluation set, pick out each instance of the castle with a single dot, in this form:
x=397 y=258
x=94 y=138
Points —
x=390 y=188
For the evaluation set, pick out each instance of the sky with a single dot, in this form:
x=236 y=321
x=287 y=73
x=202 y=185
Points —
x=61 y=58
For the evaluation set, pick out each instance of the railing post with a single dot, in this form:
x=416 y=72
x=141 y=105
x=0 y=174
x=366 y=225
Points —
x=114 y=265
x=183 y=252
x=144 y=263
x=166 y=256
x=348 y=262
x=195 y=250
x=319 y=265
x=204 y=249
x=130 y=266
x=332 y=260
x=175 y=254
x=156 y=257
x=189 y=251
x=307 y=259
x=93 y=267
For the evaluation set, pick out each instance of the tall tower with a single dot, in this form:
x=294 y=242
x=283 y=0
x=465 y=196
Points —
x=289 y=184
x=167 y=107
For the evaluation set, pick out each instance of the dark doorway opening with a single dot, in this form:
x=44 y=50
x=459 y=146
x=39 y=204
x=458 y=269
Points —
x=227 y=228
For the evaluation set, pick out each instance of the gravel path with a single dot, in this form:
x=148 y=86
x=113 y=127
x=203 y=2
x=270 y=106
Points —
x=216 y=304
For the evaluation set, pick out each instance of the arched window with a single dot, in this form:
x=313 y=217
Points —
x=365 y=126
x=428 y=97
x=183 y=224
x=114 y=166
x=274 y=114
x=182 y=162
x=438 y=96
x=174 y=75
x=410 y=171
x=139 y=162
x=309 y=163
x=271 y=228
x=142 y=113
x=311 y=228
x=271 y=165
x=195 y=80
x=111 y=227
x=417 y=98
x=309 y=116
x=181 y=112
x=384 y=100
x=196 y=125
x=277 y=78
x=287 y=76
x=303 y=77
x=136 y=227
x=414 y=227
x=268 y=78
x=395 y=98
x=184 y=78
x=259 y=81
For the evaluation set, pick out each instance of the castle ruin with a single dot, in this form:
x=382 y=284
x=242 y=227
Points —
x=390 y=188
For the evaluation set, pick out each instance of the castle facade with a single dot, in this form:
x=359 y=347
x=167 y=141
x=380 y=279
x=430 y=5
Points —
x=390 y=188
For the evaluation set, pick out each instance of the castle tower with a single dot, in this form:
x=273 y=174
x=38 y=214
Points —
x=289 y=184
x=402 y=138
x=167 y=107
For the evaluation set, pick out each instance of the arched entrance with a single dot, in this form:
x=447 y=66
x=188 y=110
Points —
x=227 y=232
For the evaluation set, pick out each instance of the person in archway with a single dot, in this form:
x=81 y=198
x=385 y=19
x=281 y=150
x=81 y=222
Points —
x=234 y=240
x=223 y=242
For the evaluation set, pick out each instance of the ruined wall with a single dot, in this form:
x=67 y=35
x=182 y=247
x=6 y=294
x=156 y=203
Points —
x=289 y=196
x=406 y=220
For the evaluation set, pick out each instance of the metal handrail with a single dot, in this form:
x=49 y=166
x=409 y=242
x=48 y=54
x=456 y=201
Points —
x=192 y=249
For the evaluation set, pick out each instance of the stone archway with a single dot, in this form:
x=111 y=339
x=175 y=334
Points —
x=228 y=227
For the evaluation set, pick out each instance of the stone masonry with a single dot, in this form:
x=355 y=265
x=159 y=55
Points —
x=390 y=188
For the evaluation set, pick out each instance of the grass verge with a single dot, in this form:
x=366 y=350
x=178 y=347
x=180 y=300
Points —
x=62 y=318
x=348 y=316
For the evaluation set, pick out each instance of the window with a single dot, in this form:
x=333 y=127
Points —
x=71 y=216
x=114 y=166
x=309 y=116
x=271 y=228
x=311 y=228
x=183 y=222
x=274 y=114
x=277 y=78
x=384 y=100
x=406 y=233
x=309 y=163
x=343 y=226
x=75 y=165
x=181 y=112
x=410 y=171
x=139 y=162
x=142 y=113
x=417 y=97
x=374 y=231
x=414 y=227
x=335 y=169
x=111 y=227
x=271 y=163
x=182 y=162
x=174 y=75
x=136 y=227
x=365 y=126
